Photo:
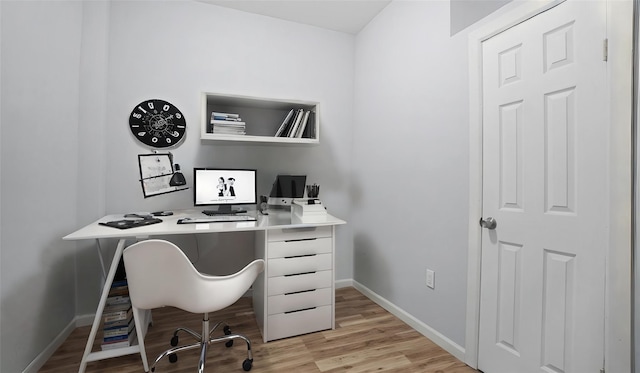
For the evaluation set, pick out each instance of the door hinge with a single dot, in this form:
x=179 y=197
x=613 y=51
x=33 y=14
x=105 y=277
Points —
x=605 y=57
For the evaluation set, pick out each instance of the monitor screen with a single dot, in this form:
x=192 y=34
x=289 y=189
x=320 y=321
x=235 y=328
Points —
x=288 y=186
x=217 y=186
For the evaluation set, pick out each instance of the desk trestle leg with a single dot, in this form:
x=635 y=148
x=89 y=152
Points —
x=93 y=356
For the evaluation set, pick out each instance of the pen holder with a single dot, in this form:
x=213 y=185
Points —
x=313 y=191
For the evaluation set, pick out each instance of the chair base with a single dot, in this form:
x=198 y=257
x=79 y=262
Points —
x=203 y=343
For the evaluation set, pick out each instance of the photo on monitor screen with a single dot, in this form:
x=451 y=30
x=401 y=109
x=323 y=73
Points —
x=224 y=186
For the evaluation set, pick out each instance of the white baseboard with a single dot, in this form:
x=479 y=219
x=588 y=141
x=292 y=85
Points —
x=344 y=283
x=42 y=358
x=84 y=320
x=422 y=328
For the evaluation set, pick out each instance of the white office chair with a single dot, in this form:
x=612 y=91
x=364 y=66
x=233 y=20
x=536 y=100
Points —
x=160 y=274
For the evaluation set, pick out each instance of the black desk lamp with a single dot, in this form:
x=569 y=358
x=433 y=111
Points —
x=178 y=178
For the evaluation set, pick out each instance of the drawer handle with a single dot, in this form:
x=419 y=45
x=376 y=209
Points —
x=301 y=291
x=299 y=256
x=304 y=309
x=300 y=274
x=301 y=239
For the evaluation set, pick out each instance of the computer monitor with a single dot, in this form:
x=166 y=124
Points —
x=286 y=188
x=224 y=188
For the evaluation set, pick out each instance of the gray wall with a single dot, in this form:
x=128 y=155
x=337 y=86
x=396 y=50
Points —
x=38 y=153
x=410 y=162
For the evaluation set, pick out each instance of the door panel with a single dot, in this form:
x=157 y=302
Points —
x=545 y=182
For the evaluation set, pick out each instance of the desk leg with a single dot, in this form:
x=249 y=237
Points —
x=103 y=300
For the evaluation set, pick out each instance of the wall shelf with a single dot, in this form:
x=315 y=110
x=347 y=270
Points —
x=262 y=117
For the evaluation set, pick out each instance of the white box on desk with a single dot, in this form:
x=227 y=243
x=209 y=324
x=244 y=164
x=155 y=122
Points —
x=304 y=212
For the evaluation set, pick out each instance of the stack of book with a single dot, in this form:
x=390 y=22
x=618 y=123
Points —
x=294 y=124
x=119 y=327
x=227 y=124
x=308 y=210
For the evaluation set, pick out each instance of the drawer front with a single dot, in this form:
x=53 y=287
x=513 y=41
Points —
x=291 y=284
x=298 y=301
x=298 y=233
x=280 y=249
x=299 y=264
x=285 y=325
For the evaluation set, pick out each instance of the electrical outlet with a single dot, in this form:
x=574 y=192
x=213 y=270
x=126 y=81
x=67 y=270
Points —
x=431 y=278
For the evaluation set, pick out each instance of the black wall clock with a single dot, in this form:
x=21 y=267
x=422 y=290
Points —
x=157 y=123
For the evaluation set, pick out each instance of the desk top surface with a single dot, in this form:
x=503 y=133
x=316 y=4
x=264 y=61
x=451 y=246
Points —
x=275 y=220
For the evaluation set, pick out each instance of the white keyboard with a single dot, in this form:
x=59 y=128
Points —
x=216 y=219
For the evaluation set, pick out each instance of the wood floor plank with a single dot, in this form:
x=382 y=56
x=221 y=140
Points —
x=367 y=338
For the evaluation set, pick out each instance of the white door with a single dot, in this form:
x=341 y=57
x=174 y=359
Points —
x=545 y=184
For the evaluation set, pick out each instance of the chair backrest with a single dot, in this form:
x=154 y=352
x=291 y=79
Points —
x=159 y=274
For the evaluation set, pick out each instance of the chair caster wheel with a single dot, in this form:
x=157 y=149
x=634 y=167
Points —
x=247 y=364
x=174 y=341
x=153 y=369
x=173 y=358
x=227 y=331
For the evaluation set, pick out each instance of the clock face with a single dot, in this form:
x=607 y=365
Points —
x=157 y=123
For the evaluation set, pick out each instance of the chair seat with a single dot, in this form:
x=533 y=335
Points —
x=159 y=274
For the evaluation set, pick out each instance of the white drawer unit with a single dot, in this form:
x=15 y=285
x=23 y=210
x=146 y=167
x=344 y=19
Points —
x=305 y=246
x=293 y=265
x=298 y=322
x=298 y=291
x=289 y=234
x=296 y=283
x=299 y=300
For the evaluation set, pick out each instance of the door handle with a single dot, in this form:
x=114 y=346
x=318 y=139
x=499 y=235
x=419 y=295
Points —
x=489 y=223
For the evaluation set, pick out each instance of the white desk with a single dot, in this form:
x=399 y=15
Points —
x=293 y=293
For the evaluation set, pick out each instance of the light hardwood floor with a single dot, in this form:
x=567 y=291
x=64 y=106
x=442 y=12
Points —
x=367 y=338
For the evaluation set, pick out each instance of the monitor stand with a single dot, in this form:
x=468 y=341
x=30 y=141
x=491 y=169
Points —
x=223 y=210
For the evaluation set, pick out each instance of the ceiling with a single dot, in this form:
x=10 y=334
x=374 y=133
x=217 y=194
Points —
x=348 y=16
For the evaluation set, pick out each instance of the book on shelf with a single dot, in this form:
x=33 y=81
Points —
x=117 y=324
x=232 y=120
x=224 y=116
x=285 y=123
x=127 y=342
x=228 y=123
x=229 y=130
x=118 y=299
x=116 y=307
x=119 y=283
x=296 y=123
x=119 y=288
x=116 y=338
x=117 y=314
x=117 y=330
x=310 y=130
x=225 y=119
x=303 y=124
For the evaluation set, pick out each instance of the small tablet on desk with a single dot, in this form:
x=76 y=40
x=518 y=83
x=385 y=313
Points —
x=127 y=223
